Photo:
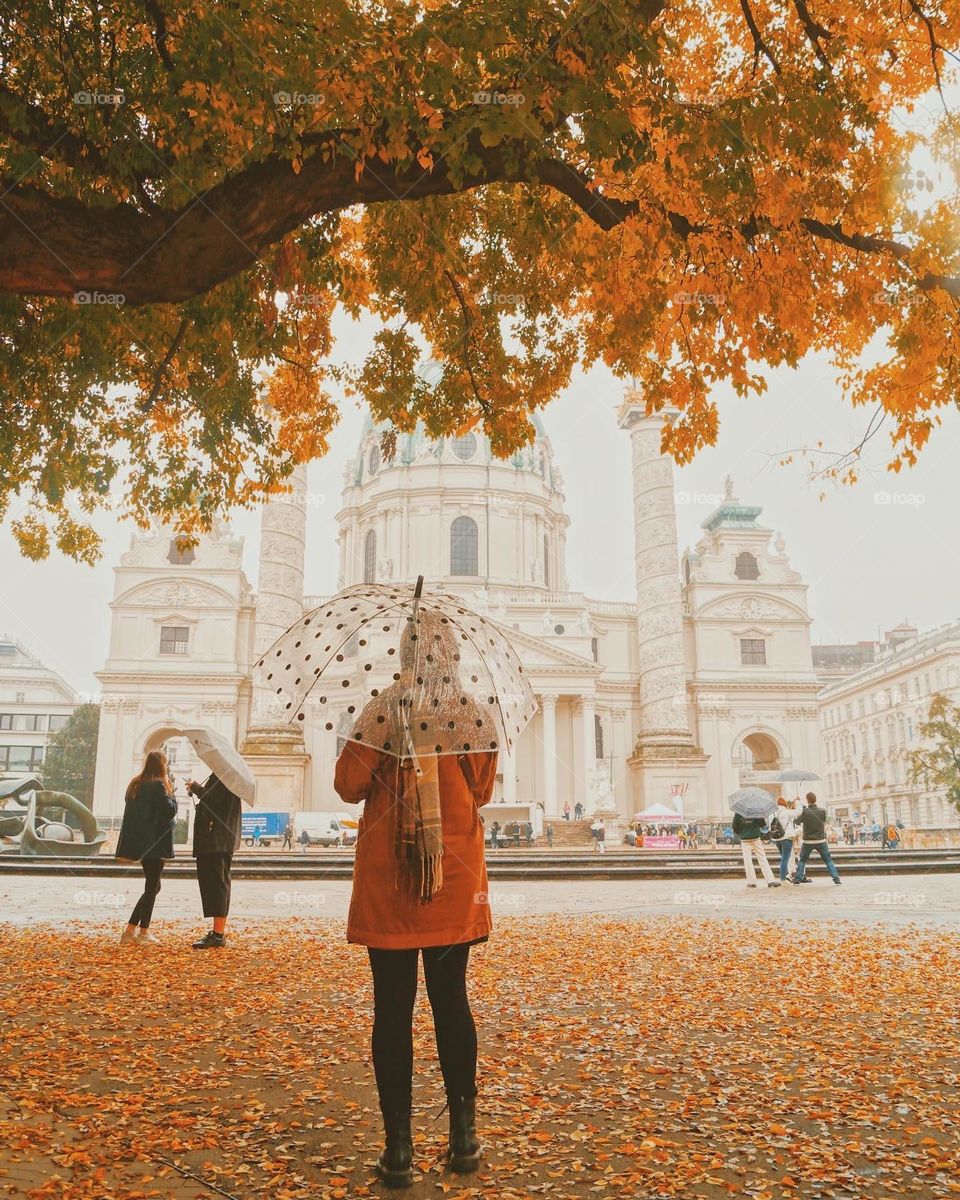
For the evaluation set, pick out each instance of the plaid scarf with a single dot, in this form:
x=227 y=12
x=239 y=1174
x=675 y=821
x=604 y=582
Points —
x=419 y=838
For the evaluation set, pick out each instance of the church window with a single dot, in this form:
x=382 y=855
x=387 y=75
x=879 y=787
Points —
x=753 y=652
x=746 y=566
x=373 y=460
x=464 y=547
x=558 y=629
x=180 y=554
x=174 y=639
x=465 y=446
x=598 y=734
x=547 y=573
x=370 y=557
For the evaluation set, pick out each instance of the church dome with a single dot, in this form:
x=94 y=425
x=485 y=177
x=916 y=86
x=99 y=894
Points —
x=468 y=449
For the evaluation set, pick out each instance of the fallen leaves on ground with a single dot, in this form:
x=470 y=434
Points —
x=649 y=1058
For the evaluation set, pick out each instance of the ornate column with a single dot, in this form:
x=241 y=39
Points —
x=508 y=769
x=275 y=749
x=587 y=711
x=665 y=751
x=548 y=709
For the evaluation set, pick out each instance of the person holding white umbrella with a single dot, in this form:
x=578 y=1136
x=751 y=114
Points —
x=216 y=826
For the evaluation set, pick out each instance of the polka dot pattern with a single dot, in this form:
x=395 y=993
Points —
x=433 y=676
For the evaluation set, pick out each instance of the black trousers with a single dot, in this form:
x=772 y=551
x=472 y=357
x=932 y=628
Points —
x=394 y=993
x=213 y=876
x=143 y=909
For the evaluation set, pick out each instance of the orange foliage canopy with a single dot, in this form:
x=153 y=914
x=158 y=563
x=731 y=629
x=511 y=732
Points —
x=683 y=190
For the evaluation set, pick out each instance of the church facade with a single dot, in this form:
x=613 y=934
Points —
x=704 y=684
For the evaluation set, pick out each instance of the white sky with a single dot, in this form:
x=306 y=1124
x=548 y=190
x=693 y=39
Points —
x=867 y=564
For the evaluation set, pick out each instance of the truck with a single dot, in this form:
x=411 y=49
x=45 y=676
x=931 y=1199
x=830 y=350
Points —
x=270 y=826
x=325 y=828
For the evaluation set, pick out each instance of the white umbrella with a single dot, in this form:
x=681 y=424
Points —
x=224 y=759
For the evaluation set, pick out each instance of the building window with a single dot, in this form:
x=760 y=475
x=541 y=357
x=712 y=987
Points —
x=58 y=721
x=753 y=652
x=174 y=639
x=23 y=722
x=21 y=698
x=373 y=460
x=598 y=734
x=180 y=554
x=370 y=557
x=547 y=572
x=465 y=446
x=6 y=720
x=464 y=543
x=21 y=758
x=558 y=629
x=746 y=566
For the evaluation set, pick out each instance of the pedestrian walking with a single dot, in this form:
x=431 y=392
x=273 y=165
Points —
x=216 y=835
x=528 y=832
x=495 y=835
x=578 y=811
x=420 y=888
x=748 y=830
x=146 y=837
x=813 y=824
x=891 y=838
x=287 y=837
x=786 y=834
x=566 y=810
x=304 y=840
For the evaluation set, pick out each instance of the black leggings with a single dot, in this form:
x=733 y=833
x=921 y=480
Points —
x=394 y=993
x=143 y=909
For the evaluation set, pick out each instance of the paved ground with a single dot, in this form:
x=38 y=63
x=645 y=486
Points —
x=928 y=900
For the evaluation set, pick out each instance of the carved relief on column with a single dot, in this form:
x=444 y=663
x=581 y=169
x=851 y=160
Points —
x=663 y=704
x=283 y=529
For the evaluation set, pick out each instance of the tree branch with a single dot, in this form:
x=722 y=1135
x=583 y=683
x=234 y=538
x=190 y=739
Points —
x=161 y=372
x=759 y=45
x=814 y=31
x=160 y=34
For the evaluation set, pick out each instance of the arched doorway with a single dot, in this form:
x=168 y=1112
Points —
x=184 y=766
x=760 y=760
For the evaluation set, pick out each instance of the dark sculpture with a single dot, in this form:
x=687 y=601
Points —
x=34 y=835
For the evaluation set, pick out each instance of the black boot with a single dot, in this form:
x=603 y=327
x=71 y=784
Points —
x=394 y=1164
x=463 y=1151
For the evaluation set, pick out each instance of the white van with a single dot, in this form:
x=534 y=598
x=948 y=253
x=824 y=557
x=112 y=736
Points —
x=323 y=829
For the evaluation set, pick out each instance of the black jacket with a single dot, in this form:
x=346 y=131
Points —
x=216 y=826
x=813 y=822
x=748 y=829
x=147 y=827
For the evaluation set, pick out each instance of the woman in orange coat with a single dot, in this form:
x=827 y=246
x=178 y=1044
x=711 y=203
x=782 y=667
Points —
x=420 y=886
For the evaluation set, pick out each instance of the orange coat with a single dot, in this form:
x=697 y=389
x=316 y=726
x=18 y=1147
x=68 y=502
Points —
x=387 y=917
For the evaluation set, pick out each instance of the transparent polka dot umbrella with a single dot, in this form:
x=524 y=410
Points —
x=401 y=669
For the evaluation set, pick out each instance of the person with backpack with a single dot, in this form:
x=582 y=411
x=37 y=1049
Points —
x=146 y=837
x=784 y=831
x=749 y=830
x=813 y=823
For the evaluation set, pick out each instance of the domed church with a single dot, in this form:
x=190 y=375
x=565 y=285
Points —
x=701 y=685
